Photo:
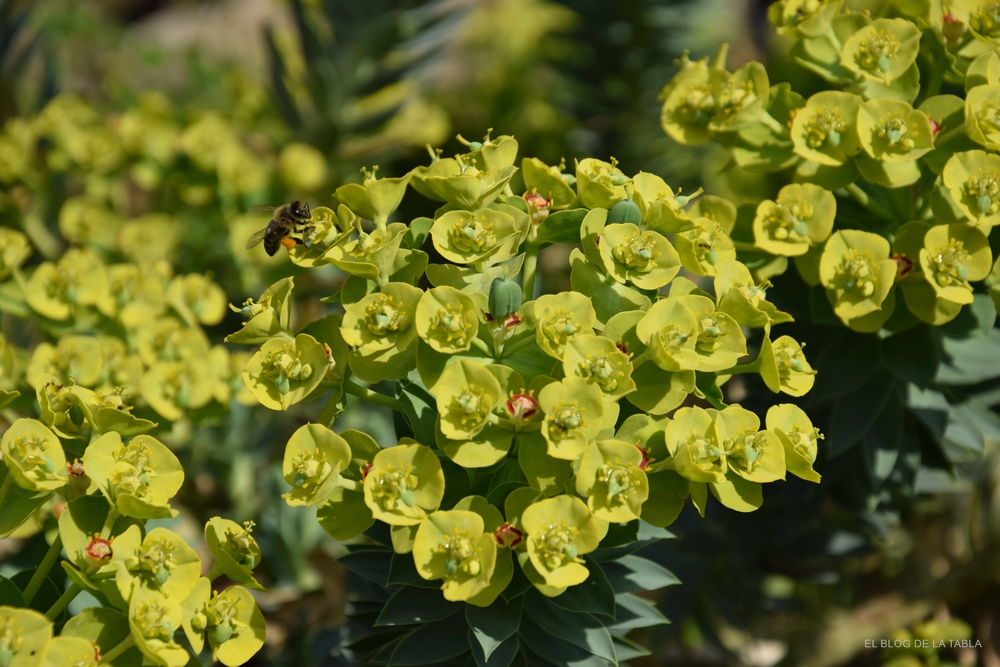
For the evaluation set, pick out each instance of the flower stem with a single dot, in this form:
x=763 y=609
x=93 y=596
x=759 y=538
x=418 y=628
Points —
x=214 y=573
x=933 y=87
x=355 y=389
x=51 y=556
x=109 y=523
x=350 y=484
x=640 y=360
x=511 y=349
x=481 y=346
x=125 y=645
x=530 y=266
x=503 y=423
x=64 y=600
x=330 y=408
x=752 y=367
x=865 y=200
x=40 y=235
x=5 y=486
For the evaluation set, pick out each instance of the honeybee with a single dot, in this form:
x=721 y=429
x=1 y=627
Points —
x=285 y=220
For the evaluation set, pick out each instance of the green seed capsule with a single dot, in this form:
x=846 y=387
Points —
x=985 y=204
x=505 y=298
x=222 y=633
x=625 y=211
x=282 y=383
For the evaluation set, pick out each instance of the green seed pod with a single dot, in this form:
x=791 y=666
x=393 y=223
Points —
x=625 y=211
x=222 y=633
x=505 y=298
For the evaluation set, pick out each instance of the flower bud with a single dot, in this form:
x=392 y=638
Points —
x=222 y=632
x=505 y=298
x=625 y=211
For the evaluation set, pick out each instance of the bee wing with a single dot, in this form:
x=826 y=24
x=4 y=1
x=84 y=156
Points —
x=262 y=210
x=256 y=238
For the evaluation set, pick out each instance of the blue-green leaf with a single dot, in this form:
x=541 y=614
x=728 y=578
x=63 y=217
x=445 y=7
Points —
x=371 y=563
x=411 y=605
x=419 y=407
x=855 y=413
x=594 y=596
x=883 y=441
x=913 y=355
x=557 y=651
x=502 y=656
x=583 y=630
x=492 y=626
x=431 y=644
x=635 y=612
x=634 y=573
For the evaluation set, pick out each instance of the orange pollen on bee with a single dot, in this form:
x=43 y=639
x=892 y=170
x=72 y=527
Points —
x=288 y=243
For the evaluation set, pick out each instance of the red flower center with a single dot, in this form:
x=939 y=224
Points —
x=508 y=536
x=903 y=265
x=99 y=548
x=521 y=406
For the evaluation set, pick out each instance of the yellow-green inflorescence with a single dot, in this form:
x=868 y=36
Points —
x=446 y=319
x=973 y=180
x=599 y=360
x=883 y=51
x=853 y=187
x=613 y=481
x=559 y=318
x=404 y=484
x=34 y=456
x=559 y=532
x=858 y=274
x=139 y=477
x=24 y=634
x=513 y=377
x=452 y=545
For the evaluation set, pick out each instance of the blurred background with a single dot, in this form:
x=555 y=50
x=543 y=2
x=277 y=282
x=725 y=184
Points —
x=196 y=110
